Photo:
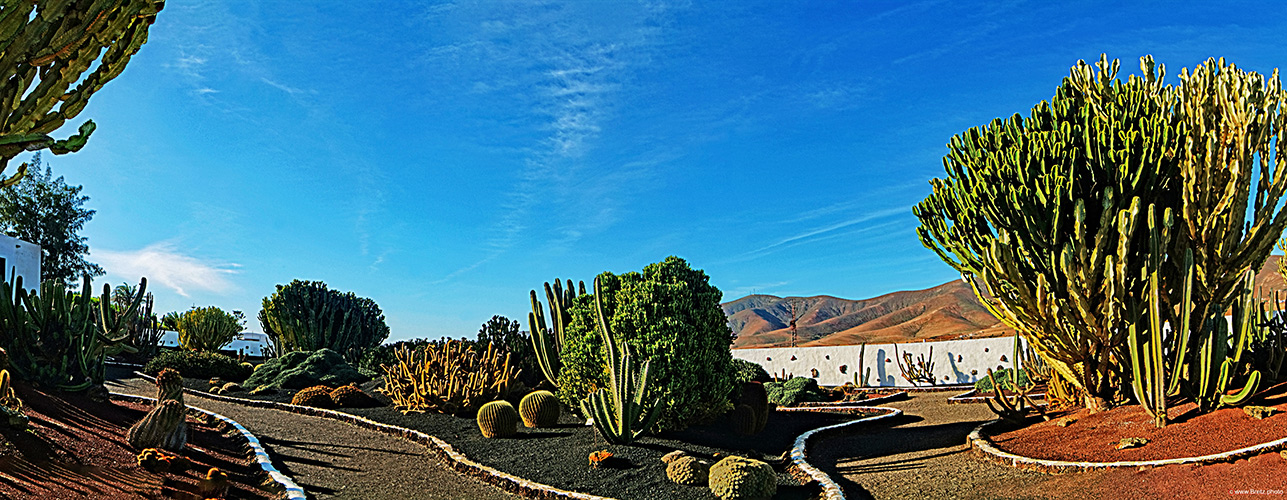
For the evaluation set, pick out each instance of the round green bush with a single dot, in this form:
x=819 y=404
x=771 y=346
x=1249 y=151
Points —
x=299 y=369
x=1003 y=379
x=793 y=391
x=670 y=314
x=747 y=371
x=198 y=364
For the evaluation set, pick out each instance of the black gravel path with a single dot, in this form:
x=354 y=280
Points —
x=330 y=459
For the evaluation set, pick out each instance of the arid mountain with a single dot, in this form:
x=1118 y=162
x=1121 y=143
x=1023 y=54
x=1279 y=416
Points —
x=947 y=311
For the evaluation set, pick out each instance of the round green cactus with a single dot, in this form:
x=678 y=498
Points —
x=230 y=387
x=317 y=396
x=745 y=421
x=688 y=470
x=539 y=409
x=739 y=478
x=498 y=419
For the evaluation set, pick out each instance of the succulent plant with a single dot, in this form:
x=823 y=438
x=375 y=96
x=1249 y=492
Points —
x=744 y=420
x=498 y=419
x=447 y=377
x=214 y=485
x=308 y=315
x=740 y=478
x=350 y=396
x=548 y=342
x=688 y=470
x=230 y=387
x=169 y=386
x=539 y=409
x=163 y=427
x=161 y=461
x=756 y=396
x=317 y=396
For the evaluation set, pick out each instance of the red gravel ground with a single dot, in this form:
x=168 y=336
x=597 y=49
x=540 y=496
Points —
x=1093 y=436
x=1261 y=476
x=76 y=448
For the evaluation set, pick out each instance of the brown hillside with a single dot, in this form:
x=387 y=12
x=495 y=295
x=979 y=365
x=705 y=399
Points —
x=947 y=311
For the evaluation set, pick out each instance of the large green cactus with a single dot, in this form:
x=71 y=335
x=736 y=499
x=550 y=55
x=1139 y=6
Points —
x=307 y=316
x=547 y=341
x=45 y=48
x=620 y=412
x=60 y=338
x=163 y=427
x=1039 y=214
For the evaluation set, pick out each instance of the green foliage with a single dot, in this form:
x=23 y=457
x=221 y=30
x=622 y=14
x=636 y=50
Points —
x=739 y=478
x=498 y=419
x=198 y=364
x=670 y=314
x=59 y=338
x=793 y=391
x=307 y=316
x=747 y=371
x=48 y=48
x=46 y=211
x=208 y=328
x=1003 y=377
x=298 y=370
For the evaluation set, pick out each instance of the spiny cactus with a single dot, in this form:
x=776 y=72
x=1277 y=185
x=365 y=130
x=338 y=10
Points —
x=316 y=396
x=744 y=420
x=308 y=315
x=688 y=470
x=498 y=419
x=169 y=386
x=230 y=387
x=740 y=478
x=163 y=427
x=161 y=461
x=350 y=396
x=447 y=377
x=755 y=396
x=548 y=341
x=620 y=412
x=207 y=328
x=539 y=409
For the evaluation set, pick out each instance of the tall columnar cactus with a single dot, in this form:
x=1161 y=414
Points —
x=47 y=47
x=1148 y=367
x=916 y=371
x=1030 y=214
x=547 y=341
x=60 y=338
x=1215 y=369
x=307 y=316
x=169 y=386
x=619 y=411
x=862 y=377
x=163 y=427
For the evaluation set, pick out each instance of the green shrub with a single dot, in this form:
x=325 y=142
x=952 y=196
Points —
x=794 y=391
x=668 y=313
x=1003 y=379
x=198 y=364
x=299 y=370
x=208 y=328
x=383 y=355
x=307 y=316
x=748 y=371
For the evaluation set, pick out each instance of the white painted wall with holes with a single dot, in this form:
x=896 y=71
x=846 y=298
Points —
x=955 y=361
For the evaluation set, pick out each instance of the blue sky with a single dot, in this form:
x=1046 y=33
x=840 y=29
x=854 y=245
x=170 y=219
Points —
x=445 y=158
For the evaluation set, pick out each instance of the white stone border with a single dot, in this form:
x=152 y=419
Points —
x=799 y=452
x=980 y=442
x=443 y=450
x=293 y=491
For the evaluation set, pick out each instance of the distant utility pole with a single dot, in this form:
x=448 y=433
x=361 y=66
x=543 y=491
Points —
x=797 y=311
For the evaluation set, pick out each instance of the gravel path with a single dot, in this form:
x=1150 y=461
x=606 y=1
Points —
x=330 y=459
x=922 y=456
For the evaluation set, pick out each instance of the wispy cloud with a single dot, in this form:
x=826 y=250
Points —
x=828 y=231
x=163 y=264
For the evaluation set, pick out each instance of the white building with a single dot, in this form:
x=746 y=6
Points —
x=20 y=258
x=252 y=344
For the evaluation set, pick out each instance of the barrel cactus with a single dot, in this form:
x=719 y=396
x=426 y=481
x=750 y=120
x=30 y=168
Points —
x=317 y=396
x=756 y=396
x=350 y=396
x=498 y=419
x=539 y=409
x=744 y=420
x=163 y=427
x=230 y=387
x=169 y=386
x=688 y=470
x=739 y=478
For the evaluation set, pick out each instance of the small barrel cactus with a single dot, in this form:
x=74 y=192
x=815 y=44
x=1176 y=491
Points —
x=161 y=461
x=350 y=396
x=688 y=470
x=739 y=478
x=214 y=485
x=163 y=427
x=230 y=387
x=745 y=421
x=539 y=409
x=498 y=419
x=317 y=396
x=169 y=386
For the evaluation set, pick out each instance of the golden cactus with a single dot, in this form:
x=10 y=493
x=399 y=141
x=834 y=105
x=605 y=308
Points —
x=447 y=378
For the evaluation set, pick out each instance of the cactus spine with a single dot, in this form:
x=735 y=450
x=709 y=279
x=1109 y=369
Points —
x=539 y=409
x=163 y=427
x=498 y=419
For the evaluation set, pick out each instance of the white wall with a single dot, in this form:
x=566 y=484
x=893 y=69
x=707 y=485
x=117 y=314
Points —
x=250 y=343
x=955 y=361
x=20 y=259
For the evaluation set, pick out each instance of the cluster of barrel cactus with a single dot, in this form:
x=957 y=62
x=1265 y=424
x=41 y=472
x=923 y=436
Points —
x=740 y=478
x=161 y=461
x=448 y=377
x=752 y=410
